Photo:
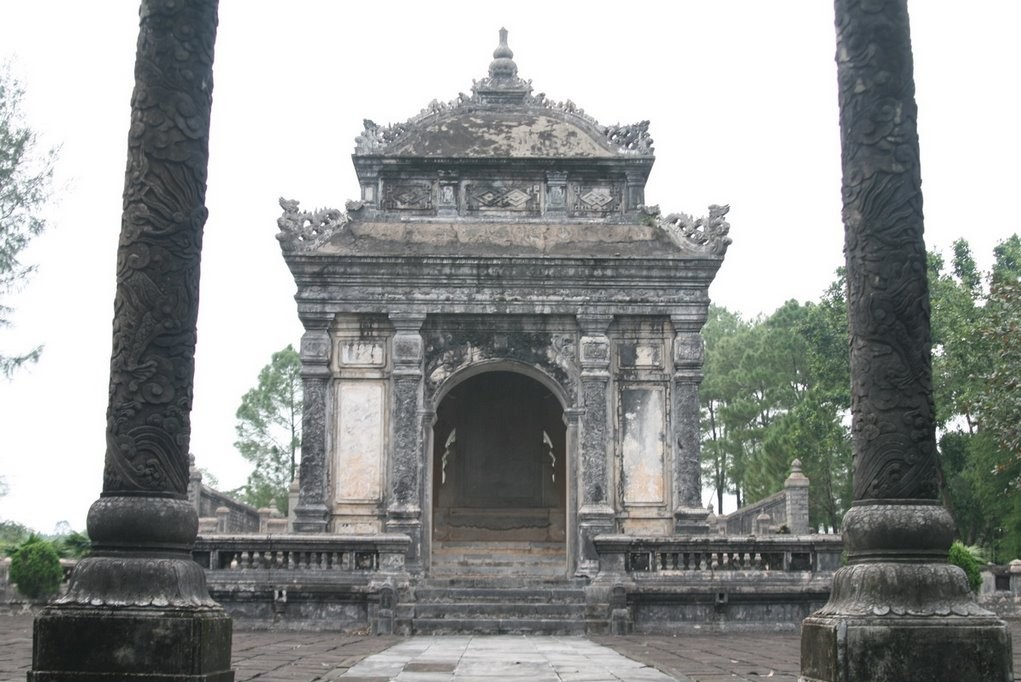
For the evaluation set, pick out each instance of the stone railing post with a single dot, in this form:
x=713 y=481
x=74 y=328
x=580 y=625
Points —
x=406 y=462
x=897 y=611
x=690 y=518
x=311 y=515
x=595 y=514
x=140 y=595
x=796 y=500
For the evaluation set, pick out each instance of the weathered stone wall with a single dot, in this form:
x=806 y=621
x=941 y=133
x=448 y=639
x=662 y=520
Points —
x=742 y=521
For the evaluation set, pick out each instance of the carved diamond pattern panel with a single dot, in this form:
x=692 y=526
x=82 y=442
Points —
x=408 y=196
x=596 y=198
x=503 y=196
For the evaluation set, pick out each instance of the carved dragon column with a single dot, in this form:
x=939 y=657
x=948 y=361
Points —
x=690 y=518
x=138 y=607
x=595 y=513
x=898 y=611
x=312 y=513
x=404 y=511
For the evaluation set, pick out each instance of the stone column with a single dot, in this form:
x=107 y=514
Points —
x=138 y=607
x=312 y=513
x=898 y=611
x=404 y=509
x=595 y=433
x=690 y=517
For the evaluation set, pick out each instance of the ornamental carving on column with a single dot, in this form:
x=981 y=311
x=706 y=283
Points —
x=156 y=304
x=888 y=299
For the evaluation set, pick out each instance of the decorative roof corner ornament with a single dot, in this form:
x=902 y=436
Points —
x=632 y=138
x=707 y=234
x=308 y=230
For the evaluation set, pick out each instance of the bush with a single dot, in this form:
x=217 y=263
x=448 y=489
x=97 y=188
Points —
x=961 y=555
x=35 y=568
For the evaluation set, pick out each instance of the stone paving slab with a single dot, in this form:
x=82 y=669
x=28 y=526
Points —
x=312 y=656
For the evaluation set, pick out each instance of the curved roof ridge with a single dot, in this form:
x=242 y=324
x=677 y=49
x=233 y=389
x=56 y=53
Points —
x=502 y=92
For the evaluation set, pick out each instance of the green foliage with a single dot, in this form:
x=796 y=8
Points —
x=776 y=389
x=74 y=545
x=962 y=556
x=35 y=568
x=976 y=370
x=269 y=430
x=12 y=534
x=25 y=174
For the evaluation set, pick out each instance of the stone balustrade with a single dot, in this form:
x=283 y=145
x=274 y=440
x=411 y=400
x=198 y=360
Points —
x=670 y=555
x=301 y=553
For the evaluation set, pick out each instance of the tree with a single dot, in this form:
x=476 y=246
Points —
x=776 y=389
x=976 y=365
x=269 y=430
x=25 y=175
x=35 y=568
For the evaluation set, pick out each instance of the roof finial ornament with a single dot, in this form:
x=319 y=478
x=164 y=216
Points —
x=503 y=65
x=502 y=85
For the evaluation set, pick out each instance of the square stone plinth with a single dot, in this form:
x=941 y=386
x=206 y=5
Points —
x=905 y=649
x=82 y=644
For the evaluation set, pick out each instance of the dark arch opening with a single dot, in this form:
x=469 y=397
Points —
x=498 y=461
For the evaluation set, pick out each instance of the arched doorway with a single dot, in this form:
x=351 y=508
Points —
x=498 y=462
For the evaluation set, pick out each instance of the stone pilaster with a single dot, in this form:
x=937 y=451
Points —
x=634 y=190
x=796 y=500
x=690 y=518
x=556 y=194
x=595 y=513
x=406 y=461
x=138 y=607
x=312 y=514
x=897 y=611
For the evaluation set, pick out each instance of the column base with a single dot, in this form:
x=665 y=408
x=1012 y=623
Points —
x=890 y=622
x=693 y=521
x=136 y=644
x=408 y=522
x=593 y=520
x=312 y=518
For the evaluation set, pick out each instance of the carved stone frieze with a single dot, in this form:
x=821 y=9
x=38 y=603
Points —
x=599 y=198
x=407 y=195
x=447 y=352
x=502 y=196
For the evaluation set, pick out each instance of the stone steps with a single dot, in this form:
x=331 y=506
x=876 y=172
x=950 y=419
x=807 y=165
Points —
x=515 y=587
x=495 y=559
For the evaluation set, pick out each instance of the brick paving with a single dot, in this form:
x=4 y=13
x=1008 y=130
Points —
x=308 y=656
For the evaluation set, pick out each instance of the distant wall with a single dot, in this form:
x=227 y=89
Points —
x=742 y=521
x=210 y=504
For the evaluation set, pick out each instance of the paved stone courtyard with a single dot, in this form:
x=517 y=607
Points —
x=308 y=656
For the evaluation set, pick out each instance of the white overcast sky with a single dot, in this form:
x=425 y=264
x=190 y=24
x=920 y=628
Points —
x=741 y=95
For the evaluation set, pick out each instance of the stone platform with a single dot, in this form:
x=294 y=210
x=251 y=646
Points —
x=301 y=657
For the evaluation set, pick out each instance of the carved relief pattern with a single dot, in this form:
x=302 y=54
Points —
x=707 y=234
x=156 y=304
x=407 y=196
x=687 y=441
x=888 y=302
x=447 y=353
x=308 y=230
x=503 y=196
x=596 y=198
x=313 y=478
x=593 y=441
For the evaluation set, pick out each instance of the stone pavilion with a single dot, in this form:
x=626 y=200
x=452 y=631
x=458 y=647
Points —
x=502 y=339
